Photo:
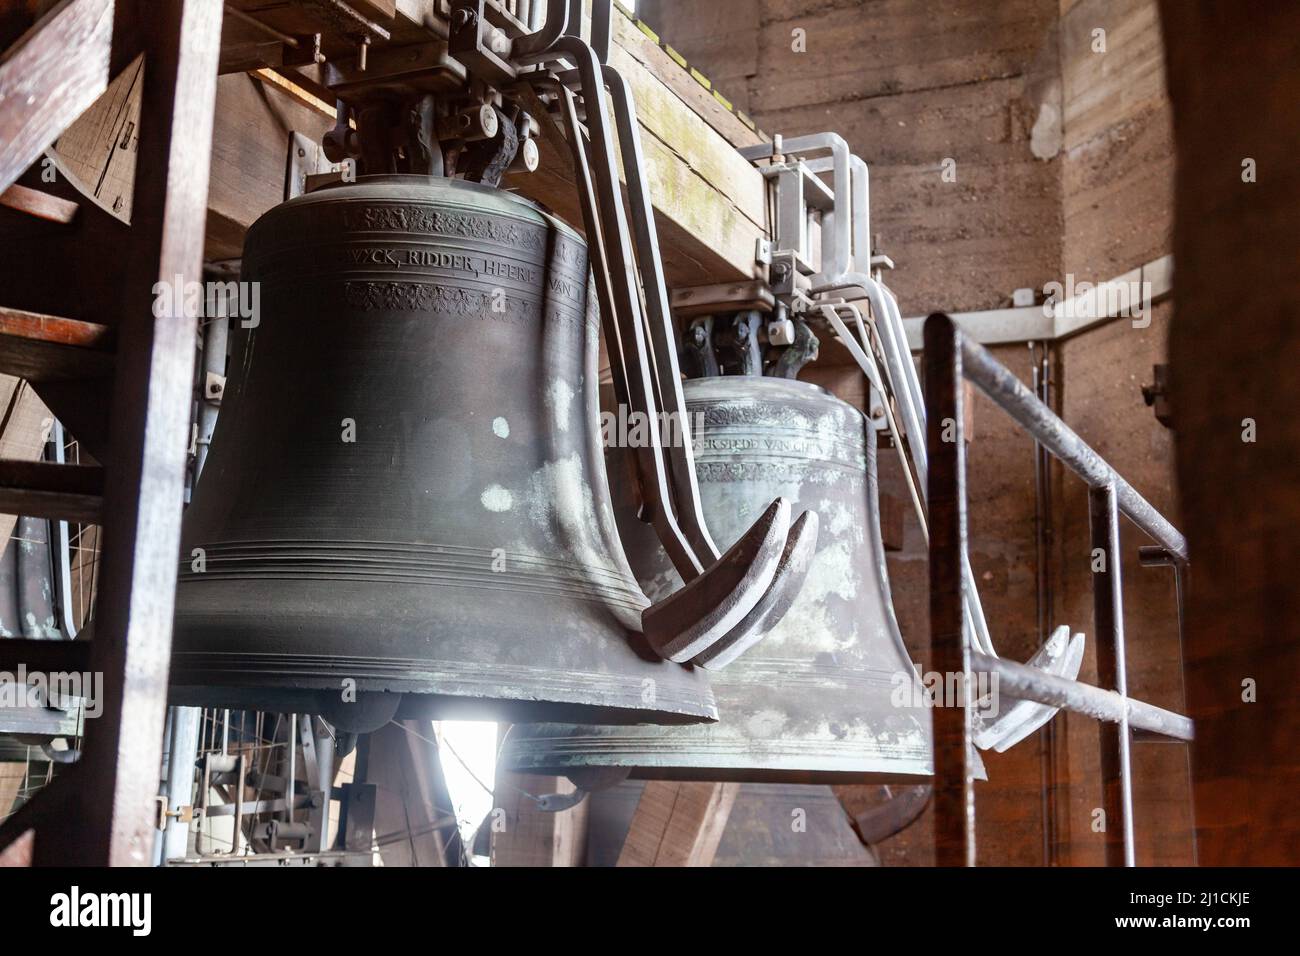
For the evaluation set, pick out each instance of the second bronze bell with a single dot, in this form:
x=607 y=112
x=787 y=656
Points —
x=828 y=695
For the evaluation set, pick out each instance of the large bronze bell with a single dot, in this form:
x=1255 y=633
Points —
x=406 y=497
x=830 y=694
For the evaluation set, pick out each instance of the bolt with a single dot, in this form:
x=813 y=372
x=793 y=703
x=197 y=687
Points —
x=462 y=18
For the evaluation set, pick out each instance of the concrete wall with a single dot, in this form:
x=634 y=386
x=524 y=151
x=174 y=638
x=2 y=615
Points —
x=1063 y=165
x=1118 y=198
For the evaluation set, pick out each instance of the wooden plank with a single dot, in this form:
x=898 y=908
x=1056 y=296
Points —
x=678 y=824
x=33 y=202
x=523 y=835
x=97 y=152
x=24 y=425
x=412 y=796
x=53 y=72
x=710 y=203
x=42 y=489
x=250 y=151
x=19 y=852
x=112 y=823
x=49 y=348
x=633 y=44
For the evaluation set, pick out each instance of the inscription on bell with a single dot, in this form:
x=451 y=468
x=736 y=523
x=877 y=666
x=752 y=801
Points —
x=455 y=261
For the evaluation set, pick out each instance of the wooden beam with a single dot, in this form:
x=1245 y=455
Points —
x=524 y=835
x=710 y=203
x=110 y=818
x=255 y=122
x=49 y=348
x=412 y=796
x=42 y=205
x=19 y=852
x=48 y=77
x=42 y=489
x=678 y=824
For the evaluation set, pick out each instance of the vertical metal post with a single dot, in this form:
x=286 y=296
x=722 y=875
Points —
x=290 y=785
x=182 y=751
x=954 y=792
x=1108 y=620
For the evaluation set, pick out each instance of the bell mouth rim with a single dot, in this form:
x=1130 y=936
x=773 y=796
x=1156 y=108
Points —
x=415 y=704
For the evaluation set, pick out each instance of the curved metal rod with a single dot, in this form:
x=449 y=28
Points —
x=862 y=355
x=837 y=248
x=861 y=183
x=552 y=28
x=681 y=459
x=606 y=226
x=913 y=422
x=717 y=598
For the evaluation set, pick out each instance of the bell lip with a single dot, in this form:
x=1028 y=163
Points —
x=781 y=775
x=900 y=772
x=415 y=704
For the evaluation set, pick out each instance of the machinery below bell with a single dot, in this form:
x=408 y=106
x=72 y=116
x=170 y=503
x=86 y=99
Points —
x=827 y=696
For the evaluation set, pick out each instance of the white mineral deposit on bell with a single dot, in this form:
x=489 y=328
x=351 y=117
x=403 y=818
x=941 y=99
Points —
x=496 y=498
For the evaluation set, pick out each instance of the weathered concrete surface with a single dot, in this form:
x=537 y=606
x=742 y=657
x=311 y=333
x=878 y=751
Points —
x=909 y=86
x=1118 y=188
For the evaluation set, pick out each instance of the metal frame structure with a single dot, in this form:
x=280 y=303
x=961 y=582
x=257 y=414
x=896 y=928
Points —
x=950 y=357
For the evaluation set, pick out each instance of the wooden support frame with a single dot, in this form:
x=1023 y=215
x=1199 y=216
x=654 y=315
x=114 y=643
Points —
x=412 y=804
x=678 y=824
x=523 y=834
x=101 y=812
x=710 y=202
x=48 y=78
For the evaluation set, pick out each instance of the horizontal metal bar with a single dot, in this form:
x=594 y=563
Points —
x=250 y=806
x=1103 y=302
x=41 y=721
x=1011 y=395
x=1021 y=682
x=992 y=326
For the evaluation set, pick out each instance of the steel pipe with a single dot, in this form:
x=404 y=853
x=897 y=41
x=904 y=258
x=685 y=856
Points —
x=997 y=382
x=1021 y=682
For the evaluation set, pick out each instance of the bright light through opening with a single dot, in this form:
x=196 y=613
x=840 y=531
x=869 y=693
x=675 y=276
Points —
x=468 y=749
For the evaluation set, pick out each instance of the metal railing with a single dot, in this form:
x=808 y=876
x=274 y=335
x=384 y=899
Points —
x=949 y=358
